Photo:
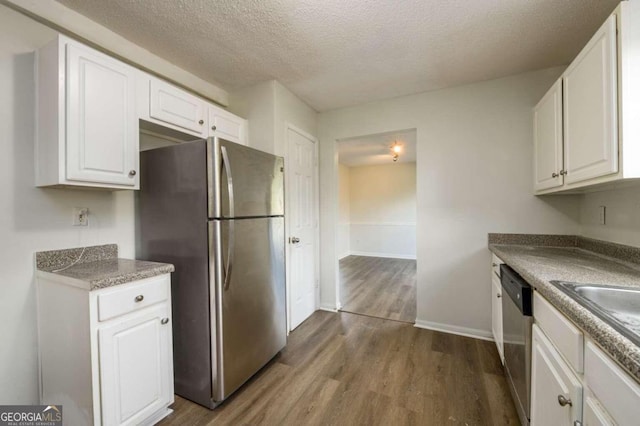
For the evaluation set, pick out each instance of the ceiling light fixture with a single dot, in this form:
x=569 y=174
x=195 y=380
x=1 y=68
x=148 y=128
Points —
x=396 y=149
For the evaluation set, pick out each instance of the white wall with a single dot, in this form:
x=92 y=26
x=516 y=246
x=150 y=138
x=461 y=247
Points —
x=383 y=210
x=344 y=215
x=474 y=156
x=269 y=107
x=622 y=216
x=33 y=219
x=257 y=104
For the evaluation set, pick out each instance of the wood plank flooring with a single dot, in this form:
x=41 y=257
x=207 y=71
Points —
x=346 y=369
x=379 y=287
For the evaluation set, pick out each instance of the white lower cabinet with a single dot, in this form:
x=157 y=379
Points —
x=560 y=395
x=106 y=355
x=556 y=393
x=496 y=315
x=595 y=414
x=496 y=305
x=135 y=366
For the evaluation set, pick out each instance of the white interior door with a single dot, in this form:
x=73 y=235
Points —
x=301 y=221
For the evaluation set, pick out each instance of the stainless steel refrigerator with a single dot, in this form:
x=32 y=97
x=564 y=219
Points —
x=215 y=209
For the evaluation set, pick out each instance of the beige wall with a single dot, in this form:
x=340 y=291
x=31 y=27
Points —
x=383 y=210
x=474 y=156
x=622 y=216
x=344 y=220
x=33 y=219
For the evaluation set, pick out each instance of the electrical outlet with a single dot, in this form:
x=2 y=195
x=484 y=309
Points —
x=80 y=216
x=603 y=214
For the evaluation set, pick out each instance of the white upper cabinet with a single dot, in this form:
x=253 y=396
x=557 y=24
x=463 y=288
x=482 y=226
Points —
x=87 y=127
x=547 y=140
x=227 y=126
x=590 y=108
x=174 y=106
x=600 y=108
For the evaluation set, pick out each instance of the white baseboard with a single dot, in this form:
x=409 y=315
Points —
x=454 y=329
x=342 y=256
x=387 y=255
x=329 y=308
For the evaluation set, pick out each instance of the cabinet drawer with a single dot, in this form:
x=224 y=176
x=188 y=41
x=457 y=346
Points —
x=495 y=265
x=131 y=297
x=177 y=107
x=565 y=336
x=618 y=393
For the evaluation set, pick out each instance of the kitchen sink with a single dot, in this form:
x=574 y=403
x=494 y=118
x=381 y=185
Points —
x=617 y=306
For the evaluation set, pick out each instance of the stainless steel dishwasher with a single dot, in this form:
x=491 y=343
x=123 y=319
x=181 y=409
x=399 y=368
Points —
x=517 y=318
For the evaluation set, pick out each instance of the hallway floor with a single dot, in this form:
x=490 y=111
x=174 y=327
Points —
x=346 y=369
x=379 y=287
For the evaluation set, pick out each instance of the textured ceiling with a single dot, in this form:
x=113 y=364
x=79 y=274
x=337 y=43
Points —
x=376 y=149
x=335 y=53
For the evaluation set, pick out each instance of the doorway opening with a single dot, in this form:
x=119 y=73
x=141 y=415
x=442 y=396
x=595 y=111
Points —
x=377 y=225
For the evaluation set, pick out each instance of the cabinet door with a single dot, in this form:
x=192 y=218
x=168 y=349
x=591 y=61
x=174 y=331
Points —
x=102 y=124
x=551 y=378
x=136 y=366
x=547 y=139
x=595 y=415
x=496 y=314
x=227 y=126
x=175 y=106
x=590 y=108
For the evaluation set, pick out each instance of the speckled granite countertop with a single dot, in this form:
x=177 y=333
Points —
x=98 y=266
x=539 y=265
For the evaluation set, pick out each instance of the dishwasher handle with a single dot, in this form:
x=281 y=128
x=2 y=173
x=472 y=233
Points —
x=518 y=290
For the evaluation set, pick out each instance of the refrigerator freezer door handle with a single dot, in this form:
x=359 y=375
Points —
x=227 y=168
x=232 y=240
x=231 y=249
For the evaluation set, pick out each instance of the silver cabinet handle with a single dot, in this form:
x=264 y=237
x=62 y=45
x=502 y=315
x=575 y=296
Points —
x=554 y=175
x=164 y=321
x=201 y=122
x=132 y=173
x=577 y=423
x=562 y=400
x=139 y=298
x=498 y=296
x=213 y=128
x=564 y=172
x=294 y=240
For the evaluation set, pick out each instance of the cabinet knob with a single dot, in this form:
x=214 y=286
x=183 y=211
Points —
x=213 y=128
x=164 y=321
x=139 y=298
x=132 y=173
x=554 y=175
x=563 y=172
x=494 y=264
x=201 y=122
x=498 y=296
x=562 y=400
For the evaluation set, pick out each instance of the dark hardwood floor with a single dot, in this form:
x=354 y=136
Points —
x=379 y=287
x=345 y=369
